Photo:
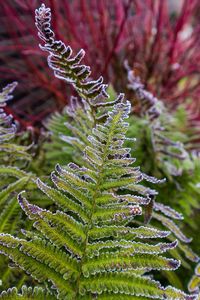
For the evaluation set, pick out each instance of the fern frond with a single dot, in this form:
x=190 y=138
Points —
x=13 y=156
x=75 y=263
x=94 y=249
x=115 y=262
x=122 y=285
x=194 y=284
x=15 y=175
x=18 y=184
x=37 y=269
x=189 y=253
x=56 y=258
x=8 y=131
x=12 y=171
x=169 y=158
x=65 y=203
x=55 y=234
x=36 y=293
x=9 y=216
x=172 y=227
x=167 y=151
x=117 y=256
x=168 y=211
x=61 y=61
x=126 y=232
x=65 y=222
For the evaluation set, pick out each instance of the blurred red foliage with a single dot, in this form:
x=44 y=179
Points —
x=165 y=51
x=161 y=46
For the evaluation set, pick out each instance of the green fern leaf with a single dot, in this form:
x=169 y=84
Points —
x=36 y=293
x=194 y=284
x=117 y=268
x=69 y=276
x=61 y=61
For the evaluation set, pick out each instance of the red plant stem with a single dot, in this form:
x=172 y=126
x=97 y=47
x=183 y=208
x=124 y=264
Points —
x=110 y=55
x=91 y=22
x=151 y=62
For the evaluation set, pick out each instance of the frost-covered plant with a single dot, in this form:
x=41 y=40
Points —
x=159 y=129
x=162 y=48
x=169 y=156
x=76 y=119
x=14 y=159
x=15 y=174
x=95 y=106
x=87 y=248
x=194 y=284
x=161 y=154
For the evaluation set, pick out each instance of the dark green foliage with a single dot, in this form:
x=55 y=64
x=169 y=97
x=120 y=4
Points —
x=158 y=133
x=14 y=158
x=93 y=243
x=59 y=152
x=194 y=284
x=167 y=156
x=15 y=175
x=77 y=248
x=26 y=293
x=77 y=120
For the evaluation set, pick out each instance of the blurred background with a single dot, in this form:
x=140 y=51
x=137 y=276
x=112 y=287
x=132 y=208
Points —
x=159 y=38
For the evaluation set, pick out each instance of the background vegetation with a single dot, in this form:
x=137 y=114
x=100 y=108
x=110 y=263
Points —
x=85 y=130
